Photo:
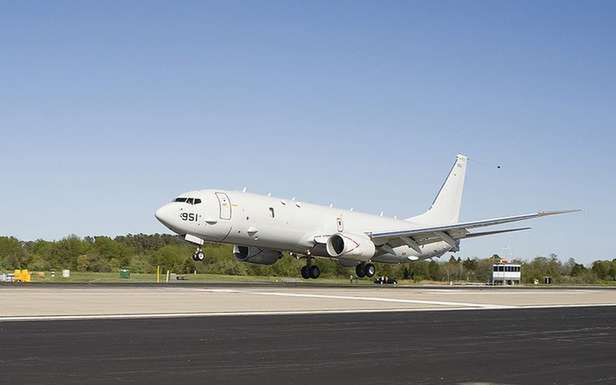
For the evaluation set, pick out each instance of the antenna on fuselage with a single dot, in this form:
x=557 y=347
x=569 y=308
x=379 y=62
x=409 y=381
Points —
x=381 y=214
x=244 y=189
x=331 y=205
x=269 y=194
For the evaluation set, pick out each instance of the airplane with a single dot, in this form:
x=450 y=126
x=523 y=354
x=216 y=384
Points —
x=261 y=228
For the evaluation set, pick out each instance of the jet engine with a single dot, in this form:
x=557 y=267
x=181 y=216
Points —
x=256 y=255
x=350 y=246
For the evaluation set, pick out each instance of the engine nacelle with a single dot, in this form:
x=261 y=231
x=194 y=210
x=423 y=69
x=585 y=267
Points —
x=350 y=246
x=256 y=255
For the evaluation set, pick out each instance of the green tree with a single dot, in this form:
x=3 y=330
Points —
x=63 y=253
x=434 y=271
x=171 y=257
x=601 y=269
x=83 y=262
x=470 y=268
x=12 y=253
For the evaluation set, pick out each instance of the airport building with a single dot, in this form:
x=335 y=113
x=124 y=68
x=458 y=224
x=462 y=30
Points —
x=506 y=274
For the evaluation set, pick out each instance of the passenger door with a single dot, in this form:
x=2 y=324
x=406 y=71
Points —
x=223 y=224
x=225 y=205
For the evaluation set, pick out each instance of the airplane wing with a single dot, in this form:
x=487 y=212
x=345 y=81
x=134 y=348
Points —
x=450 y=233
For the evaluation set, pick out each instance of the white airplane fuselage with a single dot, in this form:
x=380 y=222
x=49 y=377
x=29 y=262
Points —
x=247 y=219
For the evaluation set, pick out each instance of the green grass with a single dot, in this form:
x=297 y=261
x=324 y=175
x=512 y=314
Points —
x=92 y=277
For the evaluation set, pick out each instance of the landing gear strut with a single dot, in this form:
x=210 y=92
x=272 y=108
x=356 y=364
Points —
x=310 y=271
x=365 y=270
x=198 y=256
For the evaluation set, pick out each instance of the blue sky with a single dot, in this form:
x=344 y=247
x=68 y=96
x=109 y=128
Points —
x=110 y=109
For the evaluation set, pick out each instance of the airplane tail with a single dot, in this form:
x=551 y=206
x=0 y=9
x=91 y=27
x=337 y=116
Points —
x=446 y=206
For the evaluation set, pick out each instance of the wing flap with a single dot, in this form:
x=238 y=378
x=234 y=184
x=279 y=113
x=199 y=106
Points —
x=483 y=233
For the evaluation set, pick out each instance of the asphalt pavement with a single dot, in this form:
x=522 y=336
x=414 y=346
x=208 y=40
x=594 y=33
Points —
x=511 y=346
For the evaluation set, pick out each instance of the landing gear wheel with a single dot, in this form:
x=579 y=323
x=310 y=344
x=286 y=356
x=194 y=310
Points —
x=198 y=255
x=359 y=270
x=305 y=272
x=314 y=271
x=369 y=270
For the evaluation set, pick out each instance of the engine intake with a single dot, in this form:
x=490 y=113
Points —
x=256 y=255
x=350 y=246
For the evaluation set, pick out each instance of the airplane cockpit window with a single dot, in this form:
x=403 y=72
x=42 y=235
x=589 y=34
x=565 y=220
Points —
x=190 y=201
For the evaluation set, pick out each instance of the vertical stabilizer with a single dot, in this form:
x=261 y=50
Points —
x=446 y=206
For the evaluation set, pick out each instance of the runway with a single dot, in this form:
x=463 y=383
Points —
x=102 y=302
x=511 y=346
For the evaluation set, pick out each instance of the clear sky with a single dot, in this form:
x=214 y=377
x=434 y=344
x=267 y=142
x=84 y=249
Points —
x=110 y=109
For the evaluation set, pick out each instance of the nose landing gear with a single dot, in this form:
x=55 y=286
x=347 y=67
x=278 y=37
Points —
x=365 y=270
x=198 y=255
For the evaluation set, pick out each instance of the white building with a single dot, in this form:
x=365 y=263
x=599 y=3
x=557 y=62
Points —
x=506 y=274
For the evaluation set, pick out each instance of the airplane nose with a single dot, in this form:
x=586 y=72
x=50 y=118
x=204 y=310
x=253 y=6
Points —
x=164 y=215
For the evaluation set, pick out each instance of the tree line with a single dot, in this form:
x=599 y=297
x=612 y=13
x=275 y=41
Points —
x=142 y=253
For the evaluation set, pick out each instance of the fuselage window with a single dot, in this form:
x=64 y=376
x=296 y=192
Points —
x=189 y=201
x=180 y=199
x=271 y=210
x=197 y=201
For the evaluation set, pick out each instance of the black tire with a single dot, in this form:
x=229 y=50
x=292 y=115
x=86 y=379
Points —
x=305 y=273
x=315 y=271
x=359 y=270
x=369 y=270
x=200 y=256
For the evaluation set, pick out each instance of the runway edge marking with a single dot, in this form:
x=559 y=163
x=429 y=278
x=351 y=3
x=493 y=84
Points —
x=289 y=312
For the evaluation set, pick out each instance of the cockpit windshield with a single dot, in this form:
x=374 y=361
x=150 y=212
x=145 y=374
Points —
x=190 y=201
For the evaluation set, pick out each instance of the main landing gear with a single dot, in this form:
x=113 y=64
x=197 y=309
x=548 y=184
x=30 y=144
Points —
x=198 y=255
x=310 y=270
x=365 y=270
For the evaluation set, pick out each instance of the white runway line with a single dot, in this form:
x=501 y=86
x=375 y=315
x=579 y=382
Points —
x=503 y=292
x=376 y=299
x=212 y=314
x=290 y=312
